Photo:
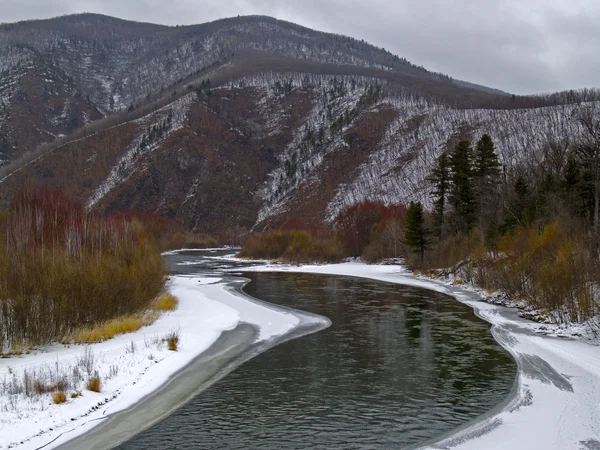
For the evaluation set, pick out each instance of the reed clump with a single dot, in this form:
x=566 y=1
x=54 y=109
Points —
x=63 y=269
x=165 y=302
x=59 y=397
x=94 y=384
x=172 y=340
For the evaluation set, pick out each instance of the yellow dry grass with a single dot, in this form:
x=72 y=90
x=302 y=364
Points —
x=126 y=324
x=94 y=384
x=110 y=329
x=165 y=302
x=59 y=397
x=173 y=340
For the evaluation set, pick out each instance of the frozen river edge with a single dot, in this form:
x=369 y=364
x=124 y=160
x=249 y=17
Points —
x=220 y=328
x=555 y=401
x=254 y=334
x=554 y=404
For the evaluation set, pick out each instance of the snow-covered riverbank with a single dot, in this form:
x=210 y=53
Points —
x=556 y=400
x=555 y=403
x=131 y=365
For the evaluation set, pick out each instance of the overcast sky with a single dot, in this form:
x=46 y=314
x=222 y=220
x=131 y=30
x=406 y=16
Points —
x=520 y=46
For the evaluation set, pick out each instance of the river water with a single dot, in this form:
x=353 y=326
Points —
x=399 y=365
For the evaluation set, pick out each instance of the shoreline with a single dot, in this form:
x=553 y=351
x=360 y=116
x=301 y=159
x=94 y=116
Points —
x=220 y=328
x=232 y=349
x=555 y=401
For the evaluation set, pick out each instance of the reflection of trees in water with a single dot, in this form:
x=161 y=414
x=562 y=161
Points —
x=390 y=345
x=398 y=365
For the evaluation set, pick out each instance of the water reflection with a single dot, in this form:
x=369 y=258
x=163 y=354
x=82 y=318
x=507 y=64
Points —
x=399 y=365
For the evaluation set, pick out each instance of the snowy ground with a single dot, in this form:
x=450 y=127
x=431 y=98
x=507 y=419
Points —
x=556 y=400
x=555 y=403
x=131 y=365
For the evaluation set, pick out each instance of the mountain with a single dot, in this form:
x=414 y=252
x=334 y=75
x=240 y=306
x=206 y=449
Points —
x=243 y=121
x=59 y=74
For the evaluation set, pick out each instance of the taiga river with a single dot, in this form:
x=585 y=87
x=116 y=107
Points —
x=399 y=365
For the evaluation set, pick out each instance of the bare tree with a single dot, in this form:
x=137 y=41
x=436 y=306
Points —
x=588 y=151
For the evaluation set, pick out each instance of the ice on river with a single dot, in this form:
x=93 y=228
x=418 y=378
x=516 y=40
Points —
x=131 y=365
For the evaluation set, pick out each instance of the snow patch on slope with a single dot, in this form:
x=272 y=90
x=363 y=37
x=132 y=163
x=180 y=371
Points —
x=334 y=98
x=134 y=153
x=396 y=171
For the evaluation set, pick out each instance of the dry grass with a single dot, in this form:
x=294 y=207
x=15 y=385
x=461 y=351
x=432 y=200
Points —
x=76 y=394
x=94 y=384
x=40 y=386
x=59 y=397
x=189 y=240
x=112 y=328
x=551 y=269
x=165 y=302
x=172 y=340
x=127 y=324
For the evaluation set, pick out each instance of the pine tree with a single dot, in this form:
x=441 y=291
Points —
x=486 y=164
x=519 y=209
x=586 y=196
x=415 y=233
x=440 y=179
x=462 y=190
x=486 y=172
x=571 y=175
x=491 y=236
x=588 y=152
x=548 y=202
x=578 y=189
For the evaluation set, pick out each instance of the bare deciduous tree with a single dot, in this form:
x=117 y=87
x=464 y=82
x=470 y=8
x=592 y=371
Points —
x=588 y=151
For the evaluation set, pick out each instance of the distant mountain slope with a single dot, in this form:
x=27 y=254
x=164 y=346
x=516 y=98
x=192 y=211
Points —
x=278 y=145
x=118 y=62
x=242 y=122
x=68 y=71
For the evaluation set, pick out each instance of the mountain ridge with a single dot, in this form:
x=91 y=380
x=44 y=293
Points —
x=242 y=121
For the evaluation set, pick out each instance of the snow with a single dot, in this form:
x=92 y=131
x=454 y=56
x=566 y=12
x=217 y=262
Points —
x=398 y=165
x=555 y=403
x=396 y=170
x=123 y=169
x=131 y=365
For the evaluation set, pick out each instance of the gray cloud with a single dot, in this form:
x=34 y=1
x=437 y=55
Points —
x=521 y=46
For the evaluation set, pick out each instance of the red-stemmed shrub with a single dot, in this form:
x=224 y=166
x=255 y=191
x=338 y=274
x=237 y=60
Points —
x=62 y=268
x=358 y=225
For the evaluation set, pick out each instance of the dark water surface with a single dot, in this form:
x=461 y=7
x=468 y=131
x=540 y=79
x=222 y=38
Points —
x=398 y=366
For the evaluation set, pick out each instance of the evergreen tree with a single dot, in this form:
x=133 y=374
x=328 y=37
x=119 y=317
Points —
x=578 y=190
x=586 y=191
x=440 y=179
x=486 y=164
x=486 y=171
x=571 y=175
x=519 y=210
x=588 y=152
x=462 y=190
x=548 y=203
x=415 y=233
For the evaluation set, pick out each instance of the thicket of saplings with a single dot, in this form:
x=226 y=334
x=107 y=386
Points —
x=169 y=234
x=531 y=232
x=370 y=230
x=64 y=270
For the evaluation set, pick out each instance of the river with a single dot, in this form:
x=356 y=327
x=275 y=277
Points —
x=399 y=366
